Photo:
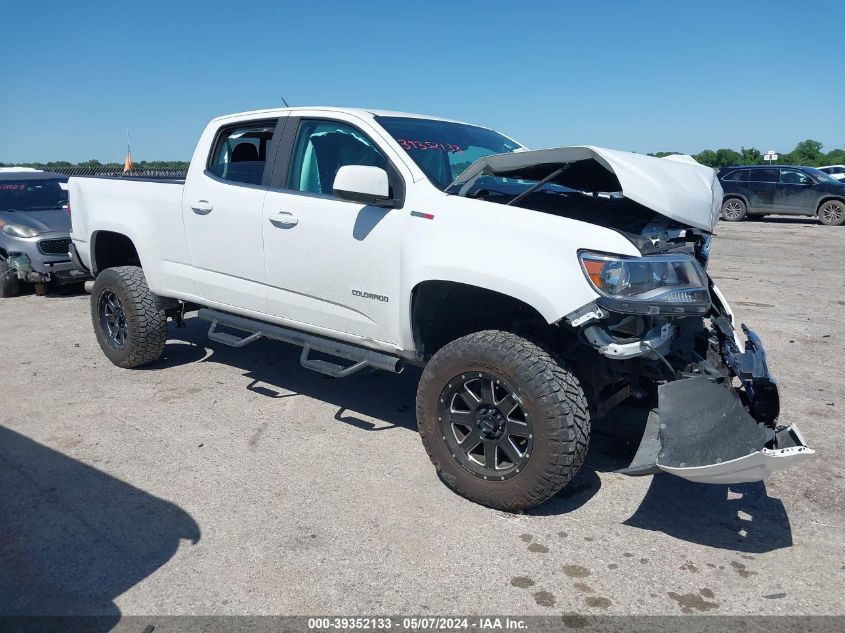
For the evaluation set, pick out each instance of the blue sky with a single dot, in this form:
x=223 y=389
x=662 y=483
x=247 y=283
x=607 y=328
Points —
x=643 y=76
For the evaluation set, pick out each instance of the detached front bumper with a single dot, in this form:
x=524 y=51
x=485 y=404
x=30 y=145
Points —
x=708 y=431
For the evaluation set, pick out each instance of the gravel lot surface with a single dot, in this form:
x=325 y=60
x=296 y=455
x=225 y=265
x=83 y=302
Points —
x=224 y=481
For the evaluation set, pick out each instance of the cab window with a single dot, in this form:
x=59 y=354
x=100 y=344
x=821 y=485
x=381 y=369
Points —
x=240 y=152
x=738 y=175
x=763 y=175
x=794 y=177
x=322 y=148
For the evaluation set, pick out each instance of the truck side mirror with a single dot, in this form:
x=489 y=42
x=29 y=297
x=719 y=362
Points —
x=364 y=184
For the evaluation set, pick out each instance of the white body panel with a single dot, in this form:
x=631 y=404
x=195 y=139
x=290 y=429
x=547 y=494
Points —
x=148 y=213
x=301 y=268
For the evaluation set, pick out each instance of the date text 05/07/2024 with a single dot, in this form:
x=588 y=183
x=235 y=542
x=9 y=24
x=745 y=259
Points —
x=415 y=623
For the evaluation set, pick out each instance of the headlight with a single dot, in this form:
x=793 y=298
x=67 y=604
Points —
x=17 y=230
x=654 y=284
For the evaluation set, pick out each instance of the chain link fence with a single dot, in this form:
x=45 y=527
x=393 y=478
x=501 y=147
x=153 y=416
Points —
x=118 y=172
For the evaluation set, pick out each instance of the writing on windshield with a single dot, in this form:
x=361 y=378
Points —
x=32 y=195
x=446 y=147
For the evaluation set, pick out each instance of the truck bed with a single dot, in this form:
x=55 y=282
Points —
x=146 y=210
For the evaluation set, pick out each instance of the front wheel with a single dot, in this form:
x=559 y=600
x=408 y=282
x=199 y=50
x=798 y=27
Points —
x=130 y=328
x=733 y=210
x=504 y=424
x=832 y=212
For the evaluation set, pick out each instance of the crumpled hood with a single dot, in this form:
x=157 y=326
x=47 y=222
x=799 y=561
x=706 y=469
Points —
x=676 y=186
x=49 y=221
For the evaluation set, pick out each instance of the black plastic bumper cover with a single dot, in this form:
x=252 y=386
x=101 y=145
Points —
x=702 y=430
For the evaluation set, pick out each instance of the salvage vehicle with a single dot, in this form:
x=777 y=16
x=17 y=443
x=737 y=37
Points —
x=538 y=289
x=34 y=231
x=783 y=189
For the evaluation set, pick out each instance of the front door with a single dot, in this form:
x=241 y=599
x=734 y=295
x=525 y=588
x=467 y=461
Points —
x=332 y=264
x=795 y=192
x=222 y=209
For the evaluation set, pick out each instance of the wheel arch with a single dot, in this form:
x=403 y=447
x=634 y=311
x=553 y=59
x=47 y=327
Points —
x=110 y=249
x=443 y=311
x=828 y=198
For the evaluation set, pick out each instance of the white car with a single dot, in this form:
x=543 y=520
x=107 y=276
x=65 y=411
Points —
x=383 y=239
x=834 y=171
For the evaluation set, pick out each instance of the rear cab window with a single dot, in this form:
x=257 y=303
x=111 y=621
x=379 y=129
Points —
x=240 y=152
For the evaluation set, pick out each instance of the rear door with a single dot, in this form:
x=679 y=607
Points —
x=761 y=190
x=222 y=210
x=795 y=192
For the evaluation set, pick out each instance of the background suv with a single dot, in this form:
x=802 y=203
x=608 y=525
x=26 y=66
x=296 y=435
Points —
x=834 y=171
x=34 y=231
x=784 y=189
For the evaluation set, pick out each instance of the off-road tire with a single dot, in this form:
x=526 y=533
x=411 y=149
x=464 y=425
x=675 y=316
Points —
x=832 y=212
x=9 y=286
x=146 y=325
x=551 y=396
x=734 y=210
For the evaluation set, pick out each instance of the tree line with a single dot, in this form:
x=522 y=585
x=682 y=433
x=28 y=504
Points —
x=808 y=153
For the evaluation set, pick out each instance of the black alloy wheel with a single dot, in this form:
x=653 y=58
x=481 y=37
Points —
x=485 y=426
x=112 y=319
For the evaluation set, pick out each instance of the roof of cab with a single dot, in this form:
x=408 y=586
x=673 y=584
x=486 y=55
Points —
x=361 y=112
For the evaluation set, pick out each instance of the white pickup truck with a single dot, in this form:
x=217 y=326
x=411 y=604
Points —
x=537 y=288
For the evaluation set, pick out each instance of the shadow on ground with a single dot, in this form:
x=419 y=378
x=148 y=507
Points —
x=705 y=514
x=737 y=517
x=73 y=538
x=272 y=370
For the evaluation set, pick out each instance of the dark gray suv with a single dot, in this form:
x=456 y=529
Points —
x=782 y=189
x=34 y=231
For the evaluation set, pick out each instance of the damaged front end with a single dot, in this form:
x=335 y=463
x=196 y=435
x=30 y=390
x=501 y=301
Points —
x=662 y=331
x=717 y=405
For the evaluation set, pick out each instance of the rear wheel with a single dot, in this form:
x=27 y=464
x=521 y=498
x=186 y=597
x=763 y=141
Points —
x=130 y=328
x=733 y=210
x=504 y=423
x=9 y=286
x=832 y=212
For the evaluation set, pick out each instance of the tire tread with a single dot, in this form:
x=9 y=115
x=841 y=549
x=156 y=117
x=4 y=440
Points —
x=147 y=332
x=550 y=382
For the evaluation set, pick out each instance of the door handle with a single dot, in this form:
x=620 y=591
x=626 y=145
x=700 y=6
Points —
x=283 y=219
x=201 y=207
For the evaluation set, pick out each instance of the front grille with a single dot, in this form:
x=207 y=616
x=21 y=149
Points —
x=55 y=247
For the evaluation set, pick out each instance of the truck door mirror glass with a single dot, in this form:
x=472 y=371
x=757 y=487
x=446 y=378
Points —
x=362 y=183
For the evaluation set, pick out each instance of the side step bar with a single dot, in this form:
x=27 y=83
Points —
x=255 y=330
